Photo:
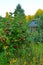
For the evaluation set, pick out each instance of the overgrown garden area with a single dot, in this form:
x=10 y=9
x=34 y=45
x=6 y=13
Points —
x=19 y=45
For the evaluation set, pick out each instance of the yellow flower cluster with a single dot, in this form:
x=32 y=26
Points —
x=41 y=60
x=5 y=47
x=25 y=63
x=13 y=61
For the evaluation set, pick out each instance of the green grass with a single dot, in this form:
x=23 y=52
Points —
x=31 y=55
x=26 y=55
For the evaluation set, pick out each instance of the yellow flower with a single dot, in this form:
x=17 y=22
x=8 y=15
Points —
x=13 y=60
x=41 y=60
x=25 y=63
x=5 y=47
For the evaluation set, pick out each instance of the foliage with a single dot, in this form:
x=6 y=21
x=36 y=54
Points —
x=38 y=13
x=18 y=45
x=19 y=15
x=29 y=18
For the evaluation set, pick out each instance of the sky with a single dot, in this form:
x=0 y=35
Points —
x=29 y=6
